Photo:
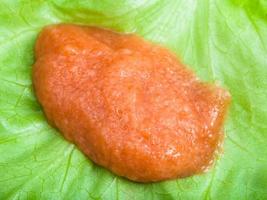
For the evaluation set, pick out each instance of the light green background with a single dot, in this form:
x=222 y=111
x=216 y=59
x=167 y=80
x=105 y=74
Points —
x=224 y=41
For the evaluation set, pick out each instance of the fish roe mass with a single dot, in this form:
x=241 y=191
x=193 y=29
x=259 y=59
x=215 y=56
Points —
x=129 y=105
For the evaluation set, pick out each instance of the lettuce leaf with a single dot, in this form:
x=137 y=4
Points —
x=223 y=41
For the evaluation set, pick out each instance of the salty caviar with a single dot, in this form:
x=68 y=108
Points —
x=129 y=105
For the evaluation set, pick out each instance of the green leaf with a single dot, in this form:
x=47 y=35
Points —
x=222 y=40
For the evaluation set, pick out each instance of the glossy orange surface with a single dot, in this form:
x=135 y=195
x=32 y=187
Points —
x=129 y=105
